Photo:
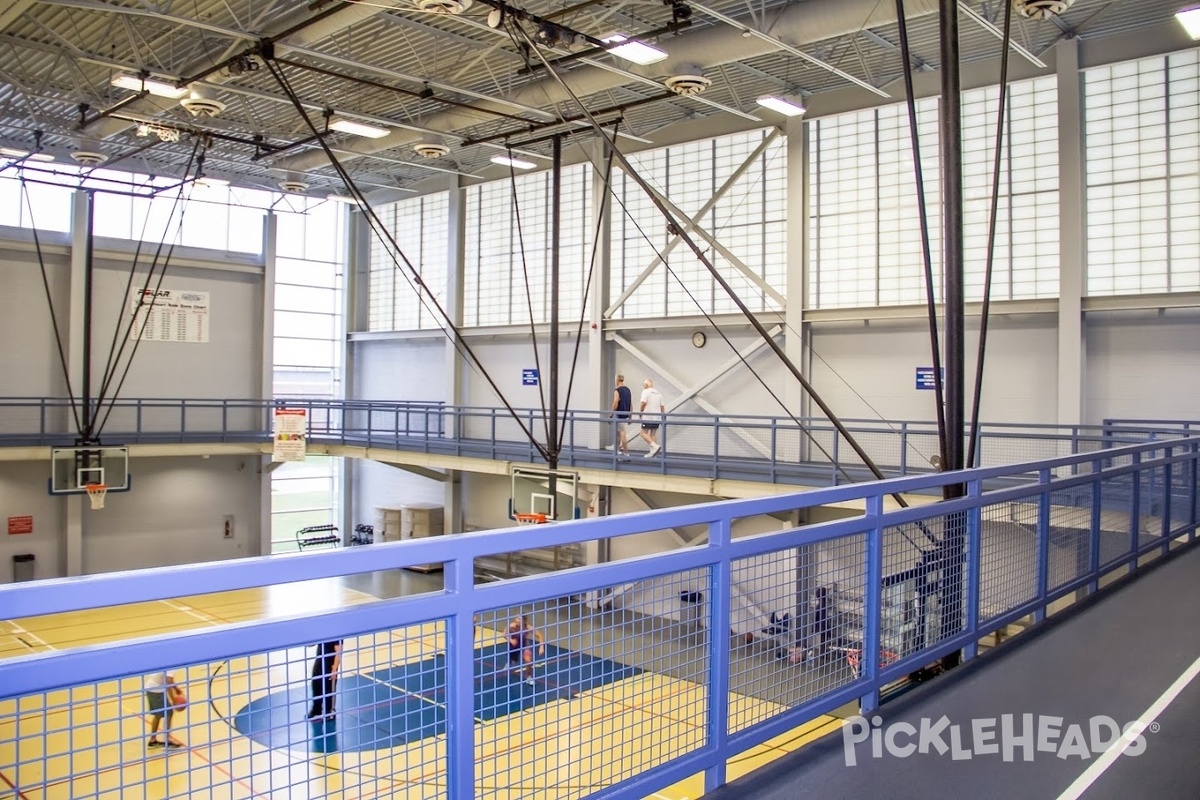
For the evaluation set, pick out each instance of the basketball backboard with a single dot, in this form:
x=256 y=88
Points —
x=73 y=468
x=532 y=493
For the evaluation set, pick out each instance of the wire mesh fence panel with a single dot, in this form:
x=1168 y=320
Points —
x=1009 y=556
x=1117 y=524
x=1180 y=496
x=1069 y=537
x=797 y=620
x=1151 y=497
x=575 y=694
x=927 y=562
x=356 y=717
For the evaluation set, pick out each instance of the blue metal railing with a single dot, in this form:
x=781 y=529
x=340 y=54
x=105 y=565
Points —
x=775 y=449
x=1149 y=489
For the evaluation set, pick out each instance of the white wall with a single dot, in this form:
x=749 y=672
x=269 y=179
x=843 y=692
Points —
x=1142 y=365
x=394 y=369
x=23 y=493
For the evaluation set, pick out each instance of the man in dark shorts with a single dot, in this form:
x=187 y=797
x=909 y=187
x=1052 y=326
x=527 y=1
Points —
x=523 y=638
x=324 y=679
x=164 y=699
x=621 y=405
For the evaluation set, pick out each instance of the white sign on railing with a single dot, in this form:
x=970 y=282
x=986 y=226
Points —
x=291 y=433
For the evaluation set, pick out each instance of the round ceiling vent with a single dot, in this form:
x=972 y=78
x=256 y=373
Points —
x=89 y=158
x=202 y=106
x=293 y=185
x=201 y=101
x=450 y=7
x=1041 y=9
x=431 y=148
x=687 y=84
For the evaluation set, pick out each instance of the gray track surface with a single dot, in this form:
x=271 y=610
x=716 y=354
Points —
x=1115 y=656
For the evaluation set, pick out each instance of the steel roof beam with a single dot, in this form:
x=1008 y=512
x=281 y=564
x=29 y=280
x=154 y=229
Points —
x=987 y=25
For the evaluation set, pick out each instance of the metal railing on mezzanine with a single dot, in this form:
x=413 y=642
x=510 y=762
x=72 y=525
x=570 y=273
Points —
x=621 y=702
x=757 y=448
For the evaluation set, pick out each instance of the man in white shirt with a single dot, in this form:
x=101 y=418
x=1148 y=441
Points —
x=652 y=410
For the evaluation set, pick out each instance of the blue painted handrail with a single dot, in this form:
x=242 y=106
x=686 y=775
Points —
x=1151 y=486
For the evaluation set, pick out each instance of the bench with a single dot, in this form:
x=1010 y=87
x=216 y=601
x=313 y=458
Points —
x=315 y=535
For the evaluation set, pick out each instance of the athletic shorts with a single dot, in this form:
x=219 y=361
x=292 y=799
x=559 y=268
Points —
x=649 y=426
x=621 y=415
x=516 y=654
x=157 y=703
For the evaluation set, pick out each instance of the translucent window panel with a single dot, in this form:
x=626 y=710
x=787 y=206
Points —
x=748 y=221
x=306 y=298
x=863 y=187
x=51 y=207
x=507 y=253
x=307 y=273
x=12 y=203
x=295 y=324
x=1143 y=156
x=304 y=352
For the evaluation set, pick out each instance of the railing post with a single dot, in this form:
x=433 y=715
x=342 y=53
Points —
x=872 y=603
x=719 y=589
x=833 y=454
x=974 y=567
x=904 y=448
x=224 y=420
x=1135 y=512
x=1192 y=491
x=138 y=420
x=716 y=445
x=1043 y=544
x=1094 y=539
x=460 y=682
x=183 y=416
x=1166 y=505
x=774 y=448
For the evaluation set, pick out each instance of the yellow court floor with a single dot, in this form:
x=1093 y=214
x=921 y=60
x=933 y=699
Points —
x=90 y=741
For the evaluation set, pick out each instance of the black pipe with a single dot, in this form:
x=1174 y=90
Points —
x=114 y=108
x=426 y=95
x=89 y=242
x=555 y=234
x=531 y=129
x=948 y=558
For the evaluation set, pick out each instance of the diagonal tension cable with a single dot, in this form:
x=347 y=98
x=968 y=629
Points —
x=62 y=356
x=910 y=101
x=537 y=358
x=991 y=245
x=720 y=279
x=162 y=273
x=587 y=288
x=426 y=298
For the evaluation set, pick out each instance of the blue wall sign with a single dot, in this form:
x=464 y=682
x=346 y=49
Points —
x=925 y=377
x=529 y=377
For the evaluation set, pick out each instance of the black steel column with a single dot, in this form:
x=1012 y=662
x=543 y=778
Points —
x=555 y=231
x=89 y=250
x=949 y=560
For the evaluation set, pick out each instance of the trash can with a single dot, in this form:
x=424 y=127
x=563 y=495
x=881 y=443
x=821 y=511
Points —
x=23 y=567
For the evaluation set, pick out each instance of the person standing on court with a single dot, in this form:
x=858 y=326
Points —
x=653 y=410
x=523 y=639
x=621 y=405
x=163 y=699
x=324 y=679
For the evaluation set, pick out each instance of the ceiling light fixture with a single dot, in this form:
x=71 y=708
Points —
x=139 y=83
x=357 y=128
x=1189 y=18
x=13 y=152
x=516 y=163
x=633 y=50
x=204 y=180
x=782 y=105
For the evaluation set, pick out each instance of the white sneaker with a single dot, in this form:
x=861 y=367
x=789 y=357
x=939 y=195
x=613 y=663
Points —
x=654 y=450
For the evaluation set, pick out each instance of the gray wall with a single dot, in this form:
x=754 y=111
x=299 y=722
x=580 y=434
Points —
x=1142 y=364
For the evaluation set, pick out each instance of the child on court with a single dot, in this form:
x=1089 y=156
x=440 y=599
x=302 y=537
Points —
x=163 y=699
x=523 y=639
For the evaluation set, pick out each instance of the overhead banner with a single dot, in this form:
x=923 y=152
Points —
x=291 y=434
x=169 y=315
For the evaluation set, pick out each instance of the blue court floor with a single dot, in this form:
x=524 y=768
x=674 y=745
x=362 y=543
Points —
x=407 y=702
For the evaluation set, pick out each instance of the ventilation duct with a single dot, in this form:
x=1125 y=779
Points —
x=431 y=148
x=444 y=7
x=89 y=158
x=201 y=101
x=688 y=82
x=1040 y=9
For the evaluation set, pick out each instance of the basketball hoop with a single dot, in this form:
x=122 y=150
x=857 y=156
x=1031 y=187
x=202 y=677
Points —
x=96 y=493
x=531 y=519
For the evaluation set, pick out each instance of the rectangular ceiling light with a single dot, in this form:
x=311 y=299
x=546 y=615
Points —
x=136 y=83
x=789 y=108
x=513 y=162
x=635 y=51
x=357 y=128
x=1189 y=18
x=204 y=180
x=13 y=152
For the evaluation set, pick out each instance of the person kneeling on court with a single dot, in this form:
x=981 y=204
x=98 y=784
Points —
x=522 y=639
x=163 y=699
